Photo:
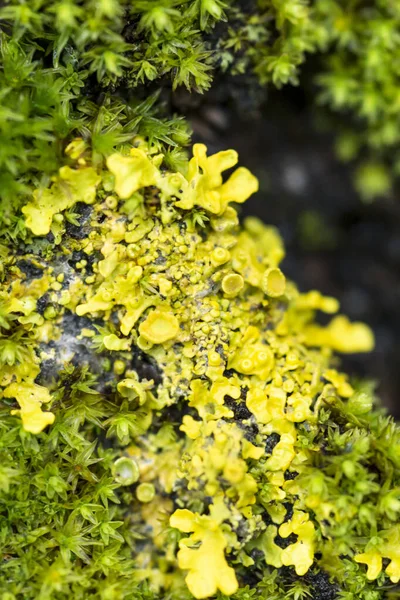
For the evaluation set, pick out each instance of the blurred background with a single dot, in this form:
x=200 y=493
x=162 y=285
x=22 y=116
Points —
x=335 y=242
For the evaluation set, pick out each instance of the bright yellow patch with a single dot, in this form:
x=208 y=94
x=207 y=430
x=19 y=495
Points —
x=388 y=547
x=72 y=186
x=252 y=357
x=160 y=326
x=232 y=284
x=341 y=335
x=205 y=187
x=131 y=172
x=301 y=553
x=207 y=566
x=30 y=397
x=273 y=282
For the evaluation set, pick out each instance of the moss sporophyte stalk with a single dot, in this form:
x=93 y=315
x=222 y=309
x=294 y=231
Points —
x=173 y=420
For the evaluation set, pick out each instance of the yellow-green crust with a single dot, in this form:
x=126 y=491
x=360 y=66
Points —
x=164 y=268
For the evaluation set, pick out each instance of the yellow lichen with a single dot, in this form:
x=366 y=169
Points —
x=252 y=357
x=241 y=362
x=387 y=545
x=219 y=256
x=207 y=566
x=72 y=186
x=232 y=284
x=316 y=301
x=30 y=398
x=266 y=543
x=133 y=390
x=283 y=453
x=131 y=172
x=160 y=326
x=273 y=282
x=339 y=380
x=210 y=402
x=205 y=187
x=267 y=238
x=266 y=405
x=191 y=427
x=113 y=342
x=340 y=335
x=301 y=553
x=251 y=451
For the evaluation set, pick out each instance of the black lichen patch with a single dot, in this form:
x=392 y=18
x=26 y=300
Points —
x=239 y=409
x=251 y=576
x=266 y=517
x=320 y=584
x=31 y=270
x=105 y=378
x=290 y=475
x=256 y=553
x=146 y=367
x=73 y=325
x=271 y=442
x=250 y=431
x=48 y=372
x=323 y=588
x=175 y=413
x=61 y=266
x=160 y=260
x=42 y=303
x=79 y=232
x=243 y=532
x=285 y=542
x=229 y=373
x=289 y=511
x=242 y=416
x=69 y=348
x=78 y=256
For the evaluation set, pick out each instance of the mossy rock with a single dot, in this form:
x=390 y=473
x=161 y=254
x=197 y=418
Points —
x=173 y=420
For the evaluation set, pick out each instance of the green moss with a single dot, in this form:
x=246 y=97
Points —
x=70 y=68
x=258 y=457
x=173 y=420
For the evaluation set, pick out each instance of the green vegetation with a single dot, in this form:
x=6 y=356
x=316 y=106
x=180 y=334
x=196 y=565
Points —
x=173 y=419
x=82 y=67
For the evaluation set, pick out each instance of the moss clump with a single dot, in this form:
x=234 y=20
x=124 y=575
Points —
x=167 y=433
x=84 y=68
